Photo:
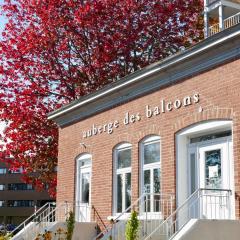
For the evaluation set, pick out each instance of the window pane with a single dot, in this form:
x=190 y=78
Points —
x=213 y=169
x=20 y=203
x=124 y=158
x=20 y=186
x=18 y=170
x=147 y=188
x=119 y=192
x=156 y=189
x=210 y=136
x=156 y=180
x=152 y=153
x=2 y=187
x=3 y=170
x=1 y=203
x=85 y=162
x=128 y=190
x=85 y=187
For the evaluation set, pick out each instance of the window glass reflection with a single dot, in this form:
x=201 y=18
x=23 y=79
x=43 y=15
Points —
x=124 y=158
x=213 y=173
x=85 y=187
x=151 y=153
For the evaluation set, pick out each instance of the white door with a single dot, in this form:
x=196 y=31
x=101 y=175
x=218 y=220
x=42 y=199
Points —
x=214 y=177
x=83 y=191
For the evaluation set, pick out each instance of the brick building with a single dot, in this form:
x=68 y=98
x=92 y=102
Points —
x=18 y=200
x=167 y=132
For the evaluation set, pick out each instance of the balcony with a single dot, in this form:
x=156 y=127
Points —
x=209 y=2
x=227 y=23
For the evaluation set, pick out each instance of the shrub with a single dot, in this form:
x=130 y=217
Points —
x=70 y=225
x=132 y=227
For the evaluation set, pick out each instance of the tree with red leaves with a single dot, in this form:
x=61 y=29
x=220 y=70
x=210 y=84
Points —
x=55 y=51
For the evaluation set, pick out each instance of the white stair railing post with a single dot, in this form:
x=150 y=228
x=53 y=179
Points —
x=229 y=204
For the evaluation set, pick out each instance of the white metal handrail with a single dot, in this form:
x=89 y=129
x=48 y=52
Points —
x=46 y=217
x=32 y=218
x=151 y=208
x=203 y=203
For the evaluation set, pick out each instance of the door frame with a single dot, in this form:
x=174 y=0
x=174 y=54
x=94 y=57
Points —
x=226 y=146
x=195 y=148
x=181 y=147
x=83 y=158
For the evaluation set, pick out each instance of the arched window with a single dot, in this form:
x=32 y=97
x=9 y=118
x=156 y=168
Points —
x=150 y=171
x=122 y=177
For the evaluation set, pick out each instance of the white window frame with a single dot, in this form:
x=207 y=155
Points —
x=151 y=166
x=124 y=171
x=83 y=158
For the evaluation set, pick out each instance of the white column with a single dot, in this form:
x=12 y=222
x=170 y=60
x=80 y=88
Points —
x=206 y=24
x=221 y=17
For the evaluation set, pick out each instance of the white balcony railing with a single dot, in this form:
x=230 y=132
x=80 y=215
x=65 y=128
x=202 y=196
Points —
x=228 y=22
x=214 y=29
x=231 y=21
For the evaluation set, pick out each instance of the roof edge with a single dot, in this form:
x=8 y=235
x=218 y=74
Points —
x=148 y=71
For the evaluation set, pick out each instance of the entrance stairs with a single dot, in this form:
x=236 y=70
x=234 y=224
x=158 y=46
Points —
x=204 y=210
x=41 y=221
x=203 y=205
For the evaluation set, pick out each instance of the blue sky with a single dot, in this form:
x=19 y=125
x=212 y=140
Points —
x=2 y=19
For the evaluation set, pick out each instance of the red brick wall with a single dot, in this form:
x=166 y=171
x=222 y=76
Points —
x=219 y=91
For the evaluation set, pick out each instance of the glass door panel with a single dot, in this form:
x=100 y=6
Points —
x=83 y=192
x=156 y=190
x=123 y=191
x=85 y=181
x=213 y=169
x=119 y=192
x=128 y=190
x=147 y=189
x=214 y=175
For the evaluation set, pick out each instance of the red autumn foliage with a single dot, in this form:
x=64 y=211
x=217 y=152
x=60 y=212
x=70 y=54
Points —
x=54 y=51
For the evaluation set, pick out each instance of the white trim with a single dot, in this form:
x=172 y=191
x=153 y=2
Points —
x=84 y=156
x=150 y=139
x=122 y=146
x=144 y=75
x=120 y=171
x=204 y=126
x=151 y=166
x=183 y=148
x=86 y=168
